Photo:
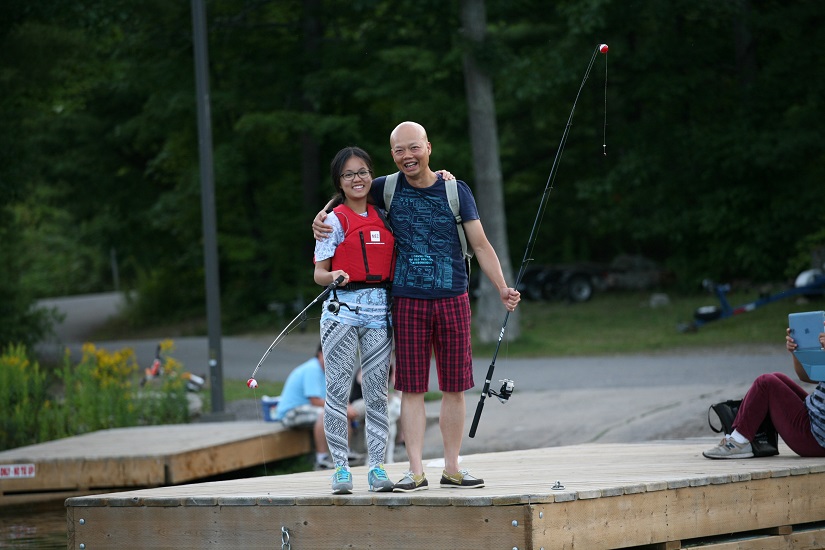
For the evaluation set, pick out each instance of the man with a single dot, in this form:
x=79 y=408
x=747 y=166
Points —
x=301 y=406
x=431 y=307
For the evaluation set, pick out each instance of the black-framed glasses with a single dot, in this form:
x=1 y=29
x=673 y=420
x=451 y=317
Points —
x=349 y=176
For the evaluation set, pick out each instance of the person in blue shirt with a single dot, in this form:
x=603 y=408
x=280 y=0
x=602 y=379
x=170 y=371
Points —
x=301 y=404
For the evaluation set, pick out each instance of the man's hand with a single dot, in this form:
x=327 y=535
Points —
x=320 y=230
x=510 y=297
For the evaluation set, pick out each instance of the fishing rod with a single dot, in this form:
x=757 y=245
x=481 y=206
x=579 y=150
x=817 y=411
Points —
x=507 y=385
x=252 y=383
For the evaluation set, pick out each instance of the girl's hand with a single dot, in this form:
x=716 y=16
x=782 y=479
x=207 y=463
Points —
x=445 y=174
x=339 y=273
x=790 y=345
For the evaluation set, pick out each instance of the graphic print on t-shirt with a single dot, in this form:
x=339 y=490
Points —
x=426 y=260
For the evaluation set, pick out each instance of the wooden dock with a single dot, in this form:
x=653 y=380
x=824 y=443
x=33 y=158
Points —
x=661 y=495
x=141 y=457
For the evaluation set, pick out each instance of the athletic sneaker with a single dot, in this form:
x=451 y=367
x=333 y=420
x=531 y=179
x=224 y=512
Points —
x=461 y=480
x=341 y=481
x=378 y=480
x=411 y=482
x=728 y=448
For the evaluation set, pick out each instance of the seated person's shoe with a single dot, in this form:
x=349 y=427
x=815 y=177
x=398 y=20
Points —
x=728 y=448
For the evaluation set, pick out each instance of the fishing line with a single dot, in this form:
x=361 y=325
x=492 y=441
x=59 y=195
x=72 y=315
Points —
x=603 y=48
x=507 y=385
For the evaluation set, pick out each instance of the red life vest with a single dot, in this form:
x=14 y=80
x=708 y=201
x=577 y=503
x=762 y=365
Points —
x=367 y=252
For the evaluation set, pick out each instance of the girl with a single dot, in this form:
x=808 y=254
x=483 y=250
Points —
x=356 y=317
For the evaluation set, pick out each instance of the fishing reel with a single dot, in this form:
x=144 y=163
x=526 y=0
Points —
x=335 y=306
x=505 y=391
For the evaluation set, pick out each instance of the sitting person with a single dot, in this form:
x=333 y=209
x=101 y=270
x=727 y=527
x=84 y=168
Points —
x=301 y=405
x=798 y=417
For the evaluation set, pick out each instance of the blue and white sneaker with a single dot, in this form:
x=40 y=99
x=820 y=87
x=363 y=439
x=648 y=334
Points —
x=341 y=481
x=729 y=448
x=378 y=480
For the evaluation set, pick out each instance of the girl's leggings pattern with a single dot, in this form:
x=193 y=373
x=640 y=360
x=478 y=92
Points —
x=341 y=346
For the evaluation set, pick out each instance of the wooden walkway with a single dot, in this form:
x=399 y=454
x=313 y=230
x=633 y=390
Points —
x=139 y=457
x=661 y=495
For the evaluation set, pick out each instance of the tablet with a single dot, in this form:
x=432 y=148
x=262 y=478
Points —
x=806 y=328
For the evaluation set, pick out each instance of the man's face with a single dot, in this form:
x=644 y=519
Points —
x=410 y=151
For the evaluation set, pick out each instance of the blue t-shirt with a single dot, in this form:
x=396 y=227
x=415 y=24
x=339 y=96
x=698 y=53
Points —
x=430 y=263
x=305 y=381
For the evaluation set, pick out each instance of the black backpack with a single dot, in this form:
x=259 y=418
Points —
x=765 y=442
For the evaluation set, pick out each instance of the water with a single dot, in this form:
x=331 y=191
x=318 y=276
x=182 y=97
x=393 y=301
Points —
x=43 y=528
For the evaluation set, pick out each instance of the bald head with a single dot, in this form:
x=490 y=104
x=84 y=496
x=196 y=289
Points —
x=408 y=131
x=411 y=153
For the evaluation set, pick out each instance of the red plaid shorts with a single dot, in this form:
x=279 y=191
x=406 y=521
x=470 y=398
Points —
x=441 y=325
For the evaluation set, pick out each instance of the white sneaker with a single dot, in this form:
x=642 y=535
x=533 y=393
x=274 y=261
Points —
x=728 y=448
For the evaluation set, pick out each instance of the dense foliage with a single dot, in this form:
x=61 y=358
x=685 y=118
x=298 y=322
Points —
x=707 y=111
x=102 y=390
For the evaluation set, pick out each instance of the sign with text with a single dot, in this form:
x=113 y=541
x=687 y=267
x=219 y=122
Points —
x=14 y=471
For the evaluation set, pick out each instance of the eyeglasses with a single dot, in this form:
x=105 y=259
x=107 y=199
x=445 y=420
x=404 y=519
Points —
x=349 y=176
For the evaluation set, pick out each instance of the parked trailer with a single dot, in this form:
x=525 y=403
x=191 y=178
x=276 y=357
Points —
x=815 y=284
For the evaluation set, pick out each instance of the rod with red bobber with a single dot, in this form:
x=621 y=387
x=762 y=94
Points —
x=252 y=383
x=507 y=385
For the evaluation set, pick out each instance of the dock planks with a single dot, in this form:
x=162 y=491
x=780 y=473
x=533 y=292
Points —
x=147 y=456
x=659 y=495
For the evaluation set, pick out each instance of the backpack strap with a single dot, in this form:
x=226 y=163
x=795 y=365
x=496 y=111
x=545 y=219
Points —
x=455 y=205
x=389 y=191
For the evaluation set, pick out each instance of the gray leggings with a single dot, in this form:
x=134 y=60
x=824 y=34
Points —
x=340 y=344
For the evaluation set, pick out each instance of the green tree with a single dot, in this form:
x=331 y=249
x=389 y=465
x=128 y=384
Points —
x=711 y=135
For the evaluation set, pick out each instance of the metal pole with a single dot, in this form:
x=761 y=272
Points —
x=210 y=245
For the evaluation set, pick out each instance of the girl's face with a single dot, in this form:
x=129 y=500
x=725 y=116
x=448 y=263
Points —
x=356 y=179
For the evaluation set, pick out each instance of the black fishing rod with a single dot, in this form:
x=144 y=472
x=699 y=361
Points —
x=507 y=385
x=252 y=383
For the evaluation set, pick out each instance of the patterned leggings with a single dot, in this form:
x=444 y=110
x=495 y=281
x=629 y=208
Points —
x=340 y=344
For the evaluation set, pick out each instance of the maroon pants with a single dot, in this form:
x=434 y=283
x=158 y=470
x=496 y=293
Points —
x=778 y=396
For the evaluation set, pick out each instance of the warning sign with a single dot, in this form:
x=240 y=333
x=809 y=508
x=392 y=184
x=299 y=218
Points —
x=13 y=471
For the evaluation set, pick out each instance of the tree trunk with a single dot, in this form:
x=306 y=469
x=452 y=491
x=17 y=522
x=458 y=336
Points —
x=489 y=313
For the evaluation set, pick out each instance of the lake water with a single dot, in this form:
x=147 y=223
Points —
x=34 y=527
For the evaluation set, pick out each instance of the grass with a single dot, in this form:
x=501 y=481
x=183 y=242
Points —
x=236 y=390
x=622 y=323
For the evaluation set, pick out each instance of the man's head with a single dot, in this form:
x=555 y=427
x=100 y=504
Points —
x=411 y=150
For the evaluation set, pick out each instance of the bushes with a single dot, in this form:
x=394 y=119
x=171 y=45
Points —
x=102 y=391
x=24 y=405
